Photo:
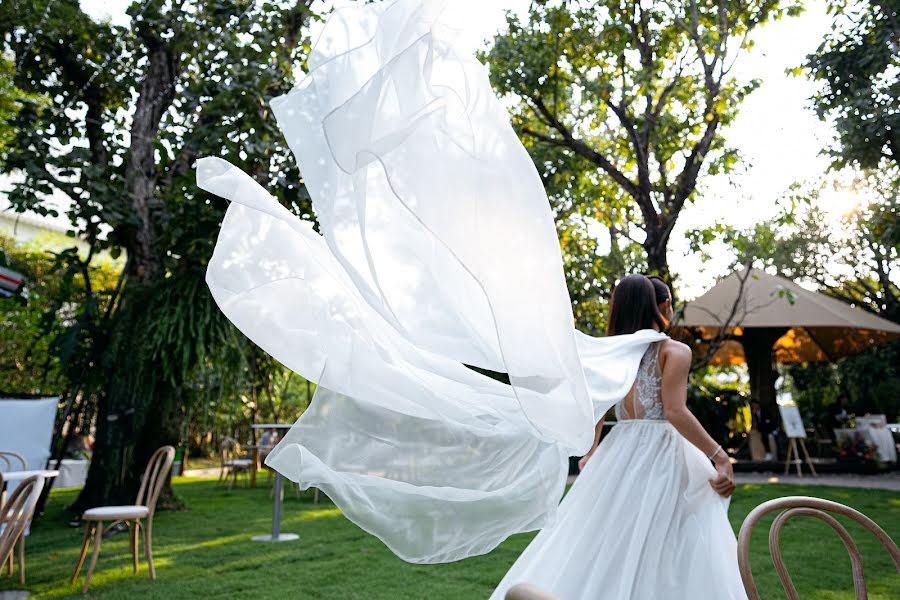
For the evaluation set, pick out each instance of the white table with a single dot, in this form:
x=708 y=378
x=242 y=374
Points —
x=18 y=476
x=276 y=535
x=880 y=437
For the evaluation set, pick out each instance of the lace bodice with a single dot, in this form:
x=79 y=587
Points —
x=644 y=400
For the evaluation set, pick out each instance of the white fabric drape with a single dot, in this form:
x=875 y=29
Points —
x=437 y=249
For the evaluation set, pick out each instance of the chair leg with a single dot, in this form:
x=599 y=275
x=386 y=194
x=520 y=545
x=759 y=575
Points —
x=134 y=531
x=98 y=537
x=84 y=548
x=148 y=547
x=22 y=559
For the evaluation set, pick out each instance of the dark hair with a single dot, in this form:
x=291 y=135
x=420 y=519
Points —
x=662 y=289
x=633 y=307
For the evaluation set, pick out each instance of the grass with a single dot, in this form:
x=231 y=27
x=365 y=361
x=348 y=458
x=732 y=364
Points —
x=206 y=551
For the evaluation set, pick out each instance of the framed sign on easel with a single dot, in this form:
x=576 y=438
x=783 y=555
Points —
x=796 y=433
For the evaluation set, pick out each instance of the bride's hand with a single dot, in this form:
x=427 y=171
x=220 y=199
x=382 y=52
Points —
x=723 y=483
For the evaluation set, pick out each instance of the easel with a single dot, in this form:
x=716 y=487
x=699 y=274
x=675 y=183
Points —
x=793 y=427
x=792 y=448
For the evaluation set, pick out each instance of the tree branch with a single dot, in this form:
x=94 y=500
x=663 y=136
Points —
x=578 y=146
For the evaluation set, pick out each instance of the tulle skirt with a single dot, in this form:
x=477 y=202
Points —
x=641 y=522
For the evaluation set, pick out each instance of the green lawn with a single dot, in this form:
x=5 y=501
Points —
x=206 y=552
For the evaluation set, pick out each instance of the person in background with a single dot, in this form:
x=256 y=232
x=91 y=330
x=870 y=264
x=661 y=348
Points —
x=840 y=413
x=762 y=429
x=267 y=442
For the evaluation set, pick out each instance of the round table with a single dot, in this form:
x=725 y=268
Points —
x=276 y=535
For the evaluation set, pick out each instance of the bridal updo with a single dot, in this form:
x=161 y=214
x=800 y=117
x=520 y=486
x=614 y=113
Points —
x=634 y=306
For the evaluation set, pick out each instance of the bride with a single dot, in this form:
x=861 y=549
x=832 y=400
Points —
x=436 y=251
x=647 y=517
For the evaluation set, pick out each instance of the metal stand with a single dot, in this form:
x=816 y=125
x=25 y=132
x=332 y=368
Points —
x=276 y=535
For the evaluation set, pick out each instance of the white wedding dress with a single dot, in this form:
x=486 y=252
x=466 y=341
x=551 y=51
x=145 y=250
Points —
x=436 y=249
x=641 y=522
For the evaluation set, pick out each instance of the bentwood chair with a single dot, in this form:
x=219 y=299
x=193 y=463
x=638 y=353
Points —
x=151 y=485
x=10 y=461
x=809 y=507
x=14 y=519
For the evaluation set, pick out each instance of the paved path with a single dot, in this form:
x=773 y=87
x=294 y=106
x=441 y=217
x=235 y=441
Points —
x=886 y=481
x=210 y=472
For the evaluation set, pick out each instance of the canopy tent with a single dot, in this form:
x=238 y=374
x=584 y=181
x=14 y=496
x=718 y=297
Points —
x=755 y=317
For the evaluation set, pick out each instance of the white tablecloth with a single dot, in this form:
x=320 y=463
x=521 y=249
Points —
x=72 y=473
x=881 y=438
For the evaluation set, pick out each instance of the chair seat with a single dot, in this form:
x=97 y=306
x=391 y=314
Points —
x=110 y=513
x=239 y=462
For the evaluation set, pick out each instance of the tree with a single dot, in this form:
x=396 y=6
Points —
x=856 y=67
x=858 y=264
x=132 y=109
x=622 y=102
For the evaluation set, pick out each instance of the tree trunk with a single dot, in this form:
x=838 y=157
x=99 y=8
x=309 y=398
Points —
x=122 y=442
x=656 y=246
x=657 y=257
x=758 y=343
x=161 y=427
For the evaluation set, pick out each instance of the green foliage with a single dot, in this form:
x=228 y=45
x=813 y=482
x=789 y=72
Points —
x=12 y=99
x=871 y=380
x=814 y=387
x=35 y=346
x=719 y=399
x=856 y=69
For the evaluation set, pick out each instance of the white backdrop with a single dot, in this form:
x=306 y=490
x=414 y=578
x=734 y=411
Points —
x=26 y=427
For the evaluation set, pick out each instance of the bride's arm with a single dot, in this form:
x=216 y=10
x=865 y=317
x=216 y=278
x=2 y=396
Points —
x=598 y=429
x=676 y=366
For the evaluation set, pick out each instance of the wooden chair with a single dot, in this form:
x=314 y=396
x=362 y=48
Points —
x=232 y=463
x=151 y=485
x=12 y=461
x=14 y=519
x=810 y=507
x=526 y=591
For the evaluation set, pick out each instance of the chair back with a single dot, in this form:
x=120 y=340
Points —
x=11 y=461
x=229 y=449
x=809 y=507
x=155 y=478
x=17 y=512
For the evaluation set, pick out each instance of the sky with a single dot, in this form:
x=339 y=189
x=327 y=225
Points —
x=777 y=133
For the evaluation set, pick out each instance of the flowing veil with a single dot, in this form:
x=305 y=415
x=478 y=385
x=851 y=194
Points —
x=437 y=250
